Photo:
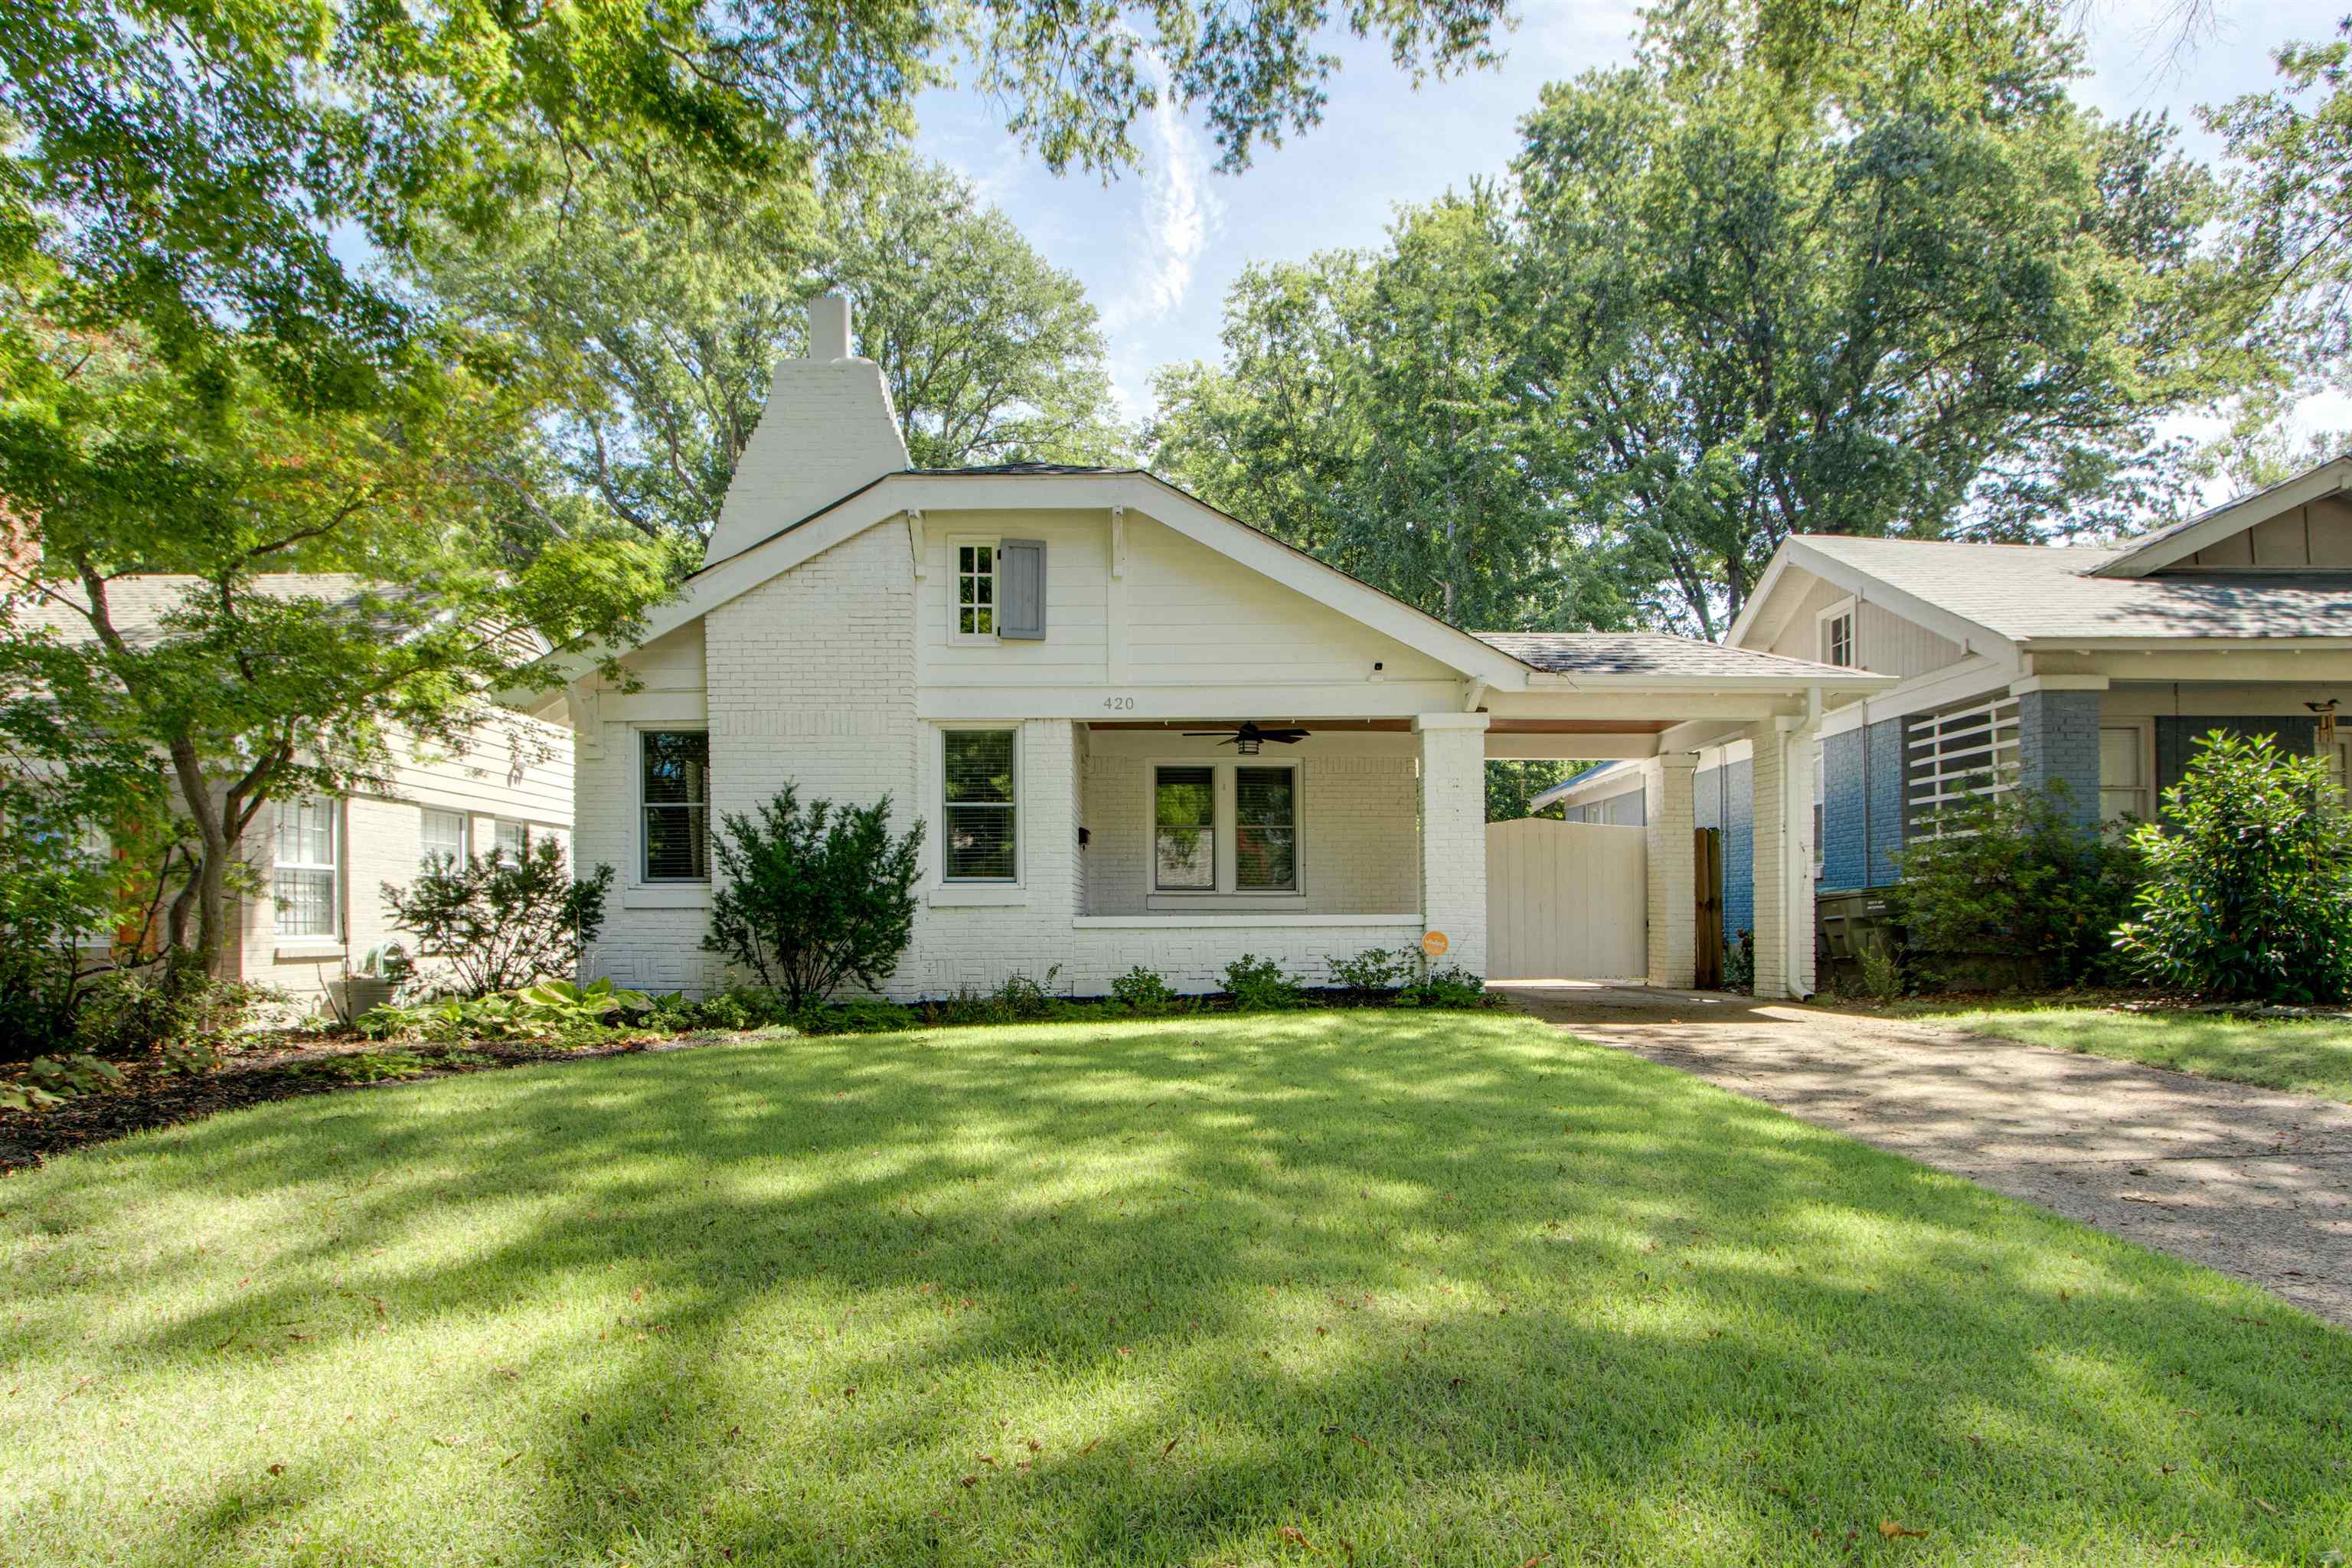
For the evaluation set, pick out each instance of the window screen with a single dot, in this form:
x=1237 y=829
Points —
x=442 y=839
x=1265 y=829
x=677 y=795
x=303 y=878
x=1184 y=836
x=980 y=829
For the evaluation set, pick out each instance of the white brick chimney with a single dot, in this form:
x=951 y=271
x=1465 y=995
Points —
x=828 y=429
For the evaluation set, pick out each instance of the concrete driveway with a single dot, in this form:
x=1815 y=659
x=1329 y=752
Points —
x=2249 y=1181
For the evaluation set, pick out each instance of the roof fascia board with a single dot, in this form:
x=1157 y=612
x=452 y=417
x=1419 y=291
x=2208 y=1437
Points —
x=1746 y=623
x=2178 y=544
x=1858 y=682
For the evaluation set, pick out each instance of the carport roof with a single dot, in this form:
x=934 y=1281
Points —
x=1655 y=654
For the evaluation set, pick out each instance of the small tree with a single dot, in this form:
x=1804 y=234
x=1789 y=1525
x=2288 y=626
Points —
x=497 y=924
x=814 y=898
x=2249 y=895
x=2016 y=875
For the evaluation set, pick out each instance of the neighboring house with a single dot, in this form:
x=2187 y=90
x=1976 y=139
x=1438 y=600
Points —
x=323 y=861
x=1136 y=731
x=2094 y=667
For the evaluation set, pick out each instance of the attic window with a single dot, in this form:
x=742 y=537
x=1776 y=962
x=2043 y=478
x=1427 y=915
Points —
x=976 y=590
x=1837 y=639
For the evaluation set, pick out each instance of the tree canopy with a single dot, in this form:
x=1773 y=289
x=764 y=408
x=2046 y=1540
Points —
x=659 y=317
x=1898 y=282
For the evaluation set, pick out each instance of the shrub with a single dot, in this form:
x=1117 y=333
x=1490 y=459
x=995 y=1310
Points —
x=2015 y=876
x=1739 y=961
x=814 y=899
x=497 y=923
x=1882 y=971
x=2248 y=897
x=1259 y=984
x=561 y=1002
x=1374 y=969
x=54 y=899
x=1451 y=986
x=172 y=1009
x=1142 y=989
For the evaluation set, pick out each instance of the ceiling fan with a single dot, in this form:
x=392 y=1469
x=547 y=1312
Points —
x=1248 y=739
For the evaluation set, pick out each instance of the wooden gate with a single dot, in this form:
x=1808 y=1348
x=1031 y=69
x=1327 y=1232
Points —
x=1566 y=901
x=1707 y=862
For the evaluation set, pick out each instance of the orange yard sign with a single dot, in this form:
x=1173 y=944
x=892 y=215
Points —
x=1434 y=943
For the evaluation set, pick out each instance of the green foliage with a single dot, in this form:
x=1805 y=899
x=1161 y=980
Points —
x=660 y=317
x=1375 y=968
x=497 y=922
x=1739 y=962
x=2017 y=876
x=172 y=1009
x=813 y=899
x=1451 y=986
x=565 y=1003
x=1900 y=284
x=1510 y=786
x=1142 y=989
x=2248 y=894
x=1882 y=978
x=45 y=1081
x=370 y=1067
x=1259 y=984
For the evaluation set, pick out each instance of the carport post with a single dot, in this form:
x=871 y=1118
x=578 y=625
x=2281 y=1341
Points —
x=1454 y=833
x=1783 y=775
x=1672 y=868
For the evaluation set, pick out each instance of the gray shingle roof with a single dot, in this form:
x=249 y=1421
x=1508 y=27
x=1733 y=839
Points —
x=2028 y=591
x=1648 y=653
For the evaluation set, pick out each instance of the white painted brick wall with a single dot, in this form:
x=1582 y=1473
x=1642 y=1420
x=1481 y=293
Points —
x=1670 y=825
x=1454 y=835
x=1773 y=851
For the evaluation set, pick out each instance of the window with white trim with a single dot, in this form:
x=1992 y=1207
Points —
x=510 y=841
x=1265 y=829
x=979 y=784
x=1837 y=639
x=2122 y=772
x=305 y=874
x=975 y=578
x=1184 y=829
x=441 y=839
x=673 y=805
x=1961 y=755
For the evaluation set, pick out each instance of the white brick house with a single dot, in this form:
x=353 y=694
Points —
x=1018 y=657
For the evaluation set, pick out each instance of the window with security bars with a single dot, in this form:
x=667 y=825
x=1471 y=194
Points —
x=1184 y=830
x=304 y=872
x=981 y=837
x=1956 y=757
x=441 y=839
x=1265 y=829
x=676 y=804
x=976 y=590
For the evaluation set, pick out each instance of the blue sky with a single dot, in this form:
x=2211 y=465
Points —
x=1158 y=248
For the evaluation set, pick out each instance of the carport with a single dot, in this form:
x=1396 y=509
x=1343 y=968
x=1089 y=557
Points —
x=1593 y=900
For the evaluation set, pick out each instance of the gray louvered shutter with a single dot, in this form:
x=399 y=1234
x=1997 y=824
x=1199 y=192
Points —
x=1021 y=575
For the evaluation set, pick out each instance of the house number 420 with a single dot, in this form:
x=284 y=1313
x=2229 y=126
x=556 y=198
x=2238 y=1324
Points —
x=1118 y=704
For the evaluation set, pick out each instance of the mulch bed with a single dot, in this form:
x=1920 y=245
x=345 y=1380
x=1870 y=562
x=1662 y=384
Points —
x=256 y=1078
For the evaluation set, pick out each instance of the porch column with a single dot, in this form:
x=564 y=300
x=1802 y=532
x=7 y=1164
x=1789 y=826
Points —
x=1783 y=775
x=2058 y=739
x=1454 y=833
x=1672 y=868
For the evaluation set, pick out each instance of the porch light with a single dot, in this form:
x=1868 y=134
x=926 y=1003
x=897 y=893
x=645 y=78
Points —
x=1248 y=745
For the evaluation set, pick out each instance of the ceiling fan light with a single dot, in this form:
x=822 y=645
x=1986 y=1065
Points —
x=1248 y=745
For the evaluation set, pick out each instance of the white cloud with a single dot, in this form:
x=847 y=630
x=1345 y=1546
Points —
x=1179 y=212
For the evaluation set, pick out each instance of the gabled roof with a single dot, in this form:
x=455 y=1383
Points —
x=138 y=604
x=2032 y=592
x=1631 y=772
x=2150 y=551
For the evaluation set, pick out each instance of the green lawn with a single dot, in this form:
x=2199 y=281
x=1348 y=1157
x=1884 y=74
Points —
x=2307 y=1057
x=1331 y=1288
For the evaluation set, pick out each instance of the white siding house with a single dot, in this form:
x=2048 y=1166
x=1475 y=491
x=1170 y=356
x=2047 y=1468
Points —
x=1049 y=668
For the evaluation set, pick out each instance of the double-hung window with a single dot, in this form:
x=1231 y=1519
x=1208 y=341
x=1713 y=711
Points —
x=441 y=839
x=674 y=794
x=975 y=589
x=305 y=874
x=2122 y=772
x=510 y=841
x=1837 y=639
x=979 y=804
x=1184 y=830
x=1266 y=830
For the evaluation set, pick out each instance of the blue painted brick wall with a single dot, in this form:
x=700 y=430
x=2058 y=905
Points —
x=2058 y=742
x=1845 y=808
x=1885 y=743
